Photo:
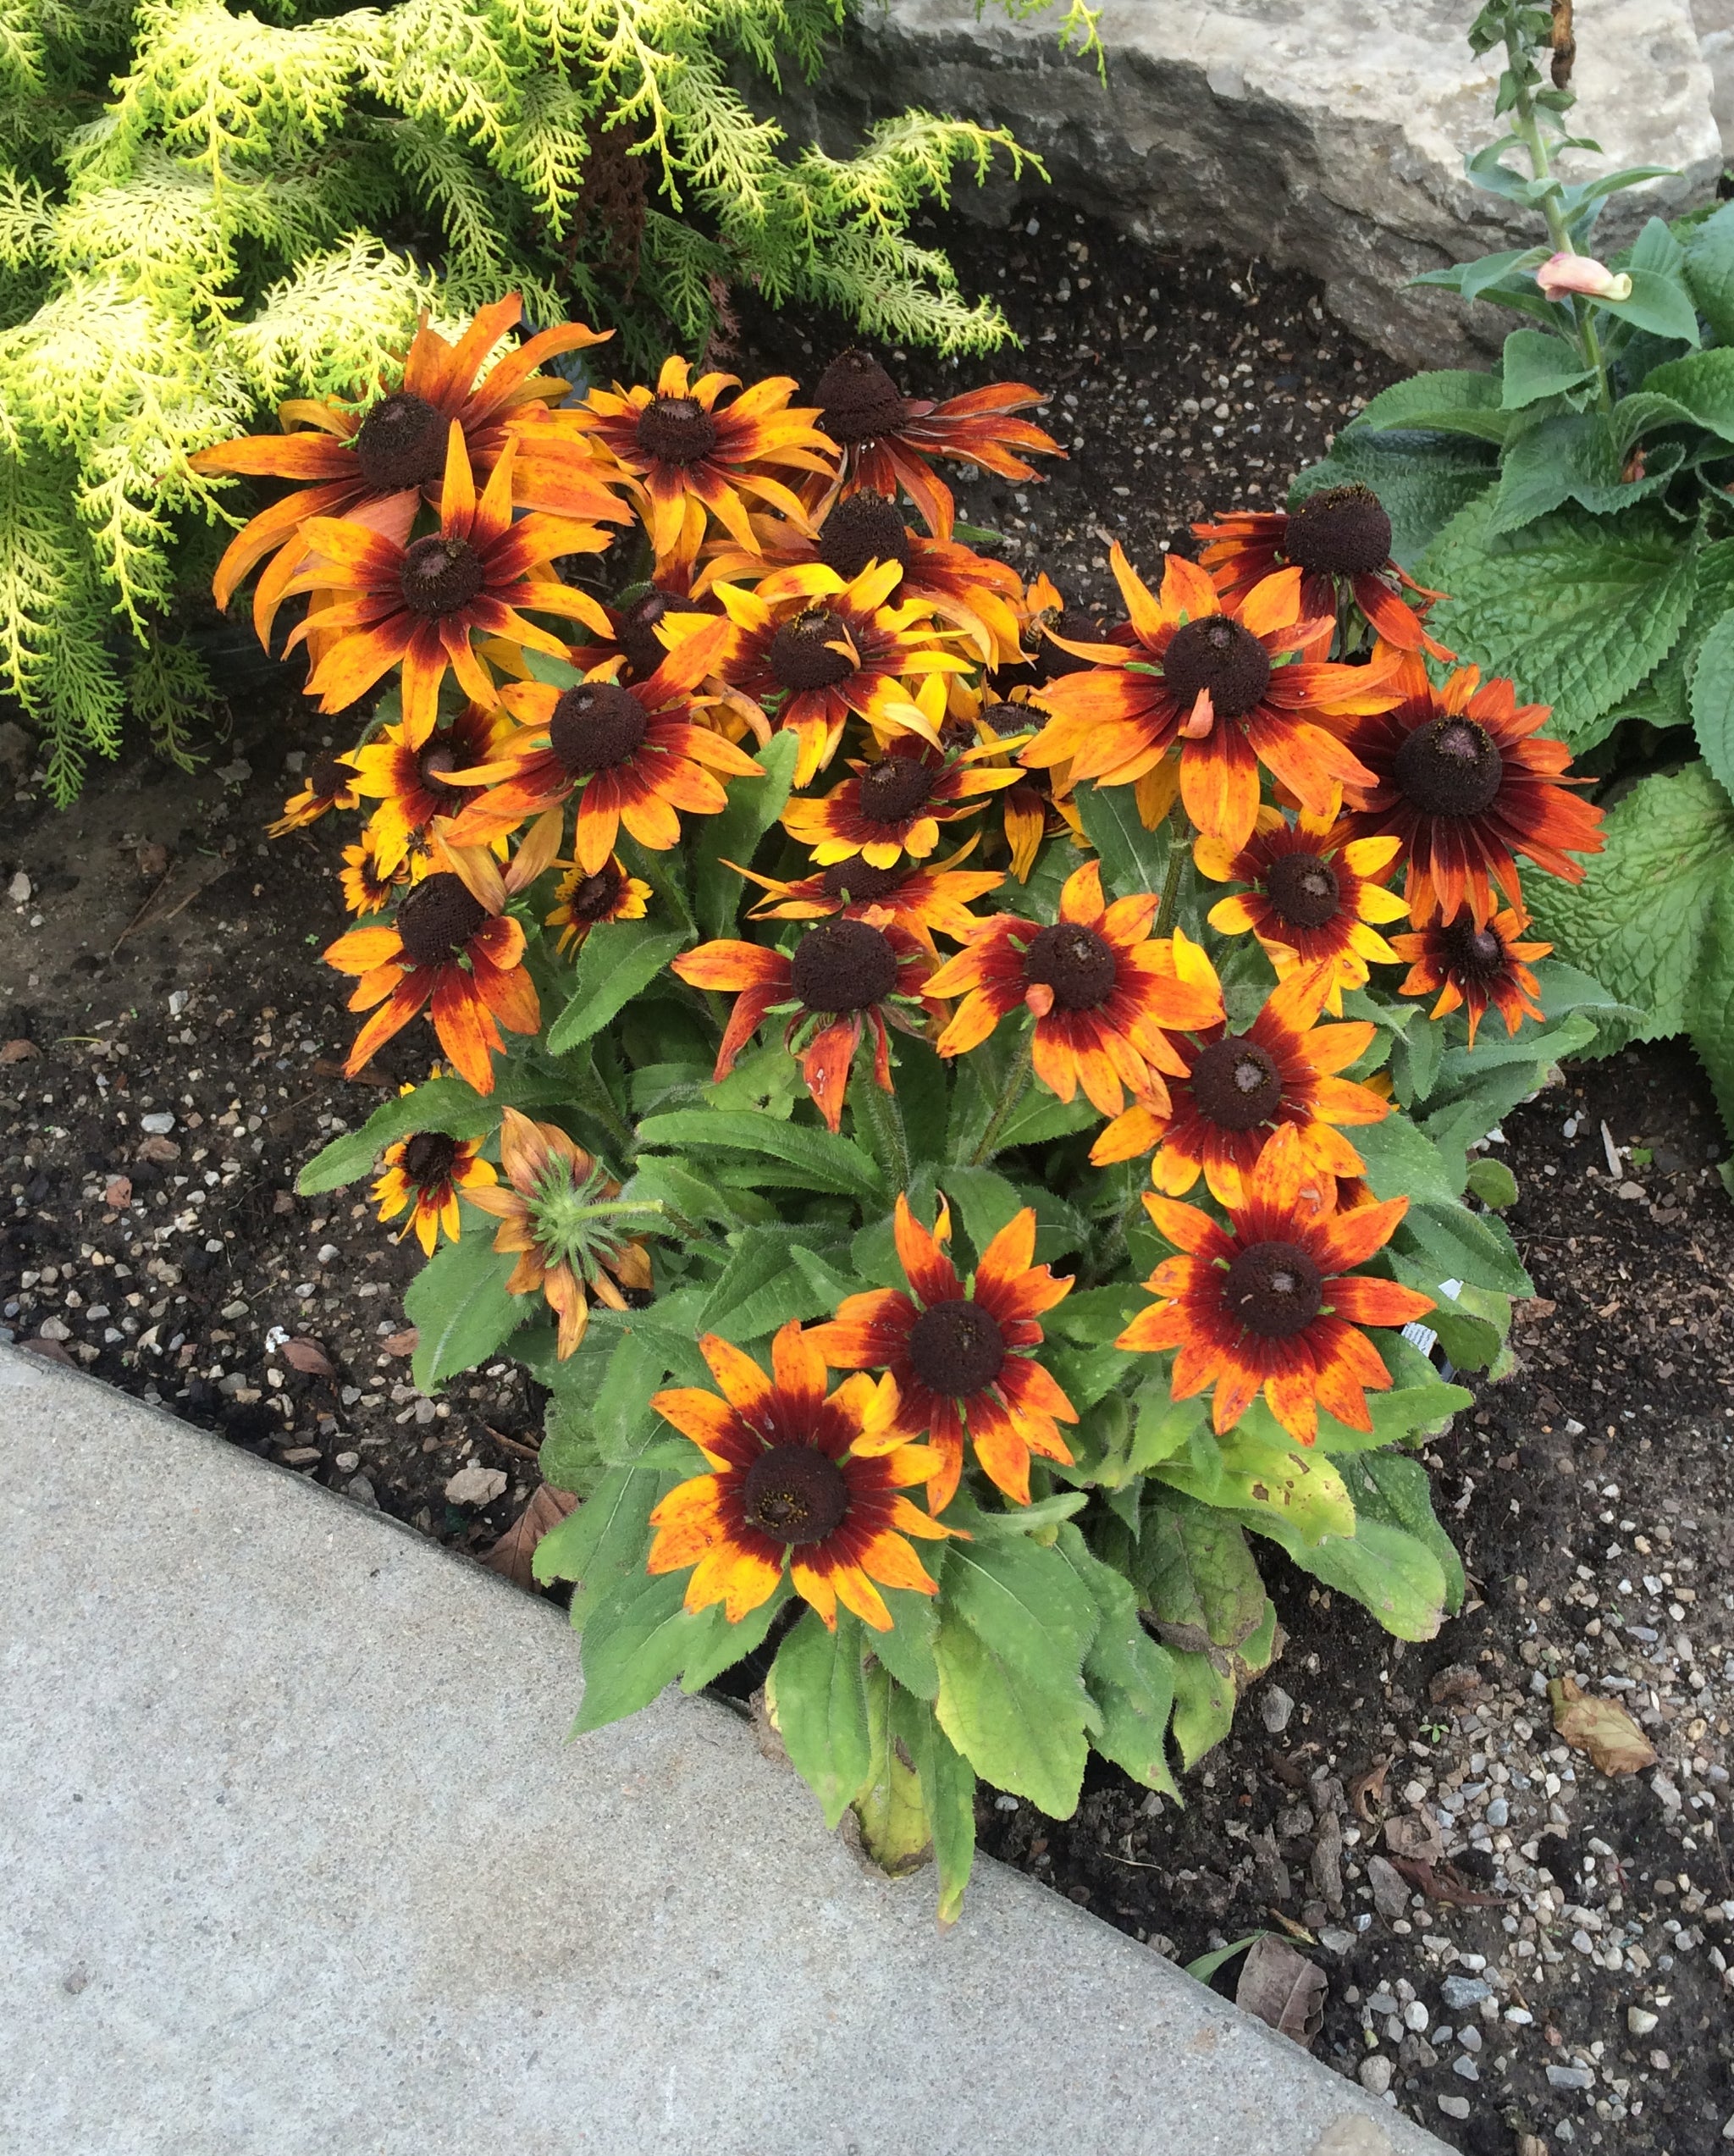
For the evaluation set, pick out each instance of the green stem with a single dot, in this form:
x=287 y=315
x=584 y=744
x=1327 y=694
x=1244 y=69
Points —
x=595 y=1098
x=884 y=1118
x=1114 y=1248
x=1171 y=885
x=1015 y=1083
x=608 y=1206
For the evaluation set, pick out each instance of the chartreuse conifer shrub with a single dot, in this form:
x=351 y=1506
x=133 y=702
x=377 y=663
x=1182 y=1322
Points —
x=206 y=209
x=1574 y=502
x=967 y=1111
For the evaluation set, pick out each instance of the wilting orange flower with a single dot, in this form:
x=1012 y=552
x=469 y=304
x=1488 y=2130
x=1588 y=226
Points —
x=1315 y=894
x=1461 y=776
x=423 y=1174
x=556 y=1212
x=684 y=452
x=631 y=632
x=414 y=783
x=1472 y=965
x=1268 y=1304
x=375 y=465
x=919 y=899
x=896 y=804
x=1237 y=1088
x=889 y=440
x=366 y=889
x=452 y=945
x=1038 y=805
x=639 y=755
x=585 y=898
x=962 y=1357
x=1340 y=537
x=840 y=974
x=418 y=607
x=798 y=1479
x=1230 y=695
x=330 y=783
x=1104 y=995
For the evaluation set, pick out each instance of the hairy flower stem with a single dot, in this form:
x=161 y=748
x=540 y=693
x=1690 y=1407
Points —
x=1171 y=885
x=593 y=1097
x=880 y=1113
x=1018 y=1079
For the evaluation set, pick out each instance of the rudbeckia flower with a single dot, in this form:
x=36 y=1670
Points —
x=1315 y=893
x=419 y=605
x=454 y=946
x=414 y=782
x=375 y=465
x=1104 y=994
x=890 y=440
x=1462 y=778
x=919 y=899
x=556 y=1211
x=1039 y=805
x=586 y=897
x=423 y=1174
x=634 y=756
x=961 y=1355
x=367 y=888
x=330 y=783
x=896 y=804
x=1471 y=964
x=1269 y=1304
x=840 y=976
x=1340 y=540
x=1236 y=1089
x=1226 y=687
x=800 y=1480
x=684 y=452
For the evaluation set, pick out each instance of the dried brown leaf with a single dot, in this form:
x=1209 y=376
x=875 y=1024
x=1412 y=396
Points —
x=401 y=1344
x=1282 y=1988
x=1601 y=1727
x=369 y=1073
x=307 y=1357
x=1443 y=1883
x=50 y=1350
x=511 y=1555
x=18 y=1051
x=1415 y=1834
x=1457 y=1682
x=118 y=1194
x=161 y=1150
x=1368 y=1789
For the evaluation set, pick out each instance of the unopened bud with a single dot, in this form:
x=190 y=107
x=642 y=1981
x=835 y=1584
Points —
x=1562 y=274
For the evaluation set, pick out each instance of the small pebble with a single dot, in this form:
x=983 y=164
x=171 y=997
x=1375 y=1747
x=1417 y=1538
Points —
x=1384 y=2002
x=158 y=1126
x=1416 y=2015
x=1519 y=2016
x=1465 y=2069
x=1274 y=1707
x=1455 y=2107
x=1570 y=2077
x=326 y=1253
x=1640 y=2021
x=361 y=1490
x=1375 y=2073
x=1459 y=1992
x=1499 y=1813
x=1470 y=2038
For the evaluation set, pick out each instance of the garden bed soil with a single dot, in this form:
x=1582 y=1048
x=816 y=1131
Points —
x=170 y=1055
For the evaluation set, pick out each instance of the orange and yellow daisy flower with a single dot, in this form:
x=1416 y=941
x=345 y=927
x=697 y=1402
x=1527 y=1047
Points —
x=418 y=607
x=1315 y=892
x=555 y=1212
x=329 y=783
x=367 y=888
x=632 y=634
x=452 y=946
x=414 y=783
x=1339 y=538
x=1231 y=689
x=888 y=440
x=634 y=756
x=1039 y=806
x=841 y=976
x=961 y=1356
x=919 y=899
x=1462 y=778
x=1236 y=1089
x=896 y=804
x=586 y=897
x=1268 y=1304
x=375 y=464
x=1104 y=993
x=1471 y=964
x=684 y=453
x=423 y=1174
x=801 y=1480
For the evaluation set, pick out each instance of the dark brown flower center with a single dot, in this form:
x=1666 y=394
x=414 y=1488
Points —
x=676 y=430
x=1076 y=963
x=1222 y=656
x=1303 y=890
x=802 y=656
x=1448 y=767
x=844 y=966
x=596 y=725
x=592 y=896
x=894 y=788
x=794 y=1493
x=644 y=650
x=1274 y=1289
x=327 y=776
x=1472 y=953
x=438 y=919
x=1342 y=532
x=859 y=883
x=428 y=1159
x=864 y=529
x=440 y=574
x=401 y=442
x=1236 y=1085
x=857 y=399
x=957 y=1348
x=1050 y=661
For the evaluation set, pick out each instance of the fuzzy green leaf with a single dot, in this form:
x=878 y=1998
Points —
x=1022 y=1736
x=637 y=1639
x=458 y=1303
x=1713 y=700
x=618 y=958
x=832 y=1163
x=754 y=806
x=1453 y=401
x=949 y=1794
x=1538 y=364
x=1133 y=859
x=821 y=1703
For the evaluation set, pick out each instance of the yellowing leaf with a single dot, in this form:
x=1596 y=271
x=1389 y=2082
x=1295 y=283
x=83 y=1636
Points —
x=1304 y=1487
x=1601 y=1727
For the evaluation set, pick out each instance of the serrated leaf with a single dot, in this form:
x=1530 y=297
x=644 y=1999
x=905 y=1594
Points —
x=459 y=1308
x=1710 y=1009
x=637 y=1639
x=1572 y=456
x=618 y=958
x=833 y=1163
x=1446 y=400
x=1702 y=386
x=606 y=1539
x=1022 y=1736
x=754 y=806
x=819 y=1700
x=1709 y=271
x=1538 y=364
x=1712 y=698
x=1026 y=1601
x=762 y=1286
x=1133 y=859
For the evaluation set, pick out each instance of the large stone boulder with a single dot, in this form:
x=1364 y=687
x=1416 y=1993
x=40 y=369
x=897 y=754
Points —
x=1327 y=135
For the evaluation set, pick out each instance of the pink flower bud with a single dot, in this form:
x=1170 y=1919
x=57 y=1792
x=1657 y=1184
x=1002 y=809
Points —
x=1565 y=273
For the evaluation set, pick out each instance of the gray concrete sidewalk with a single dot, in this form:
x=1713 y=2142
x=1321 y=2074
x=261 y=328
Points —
x=295 y=1860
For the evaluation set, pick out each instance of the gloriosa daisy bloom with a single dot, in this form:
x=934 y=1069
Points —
x=423 y=1176
x=800 y=1480
x=415 y=784
x=918 y=898
x=586 y=897
x=366 y=889
x=1269 y=1304
x=896 y=804
x=1470 y=964
x=330 y=783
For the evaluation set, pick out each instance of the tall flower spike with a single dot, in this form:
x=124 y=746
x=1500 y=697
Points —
x=801 y=1480
x=1268 y=1304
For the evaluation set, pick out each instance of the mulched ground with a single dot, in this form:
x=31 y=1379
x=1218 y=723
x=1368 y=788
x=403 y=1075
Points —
x=181 y=1060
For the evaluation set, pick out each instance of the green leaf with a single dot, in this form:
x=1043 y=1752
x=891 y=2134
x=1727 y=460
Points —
x=606 y=1539
x=1660 y=302
x=1539 y=364
x=949 y=1794
x=1451 y=1243
x=818 y=1699
x=729 y=1644
x=619 y=958
x=1133 y=859
x=892 y=1808
x=1022 y=1737
x=907 y=1649
x=1709 y=1011
x=1423 y=486
x=754 y=806
x=1572 y=456
x=1713 y=699
x=446 y=1104
x=1204 y=1705
x=1452 y=400
x=637 y=1641
x=1702 y=386
x=1026 y=1601
x=1403 y=1162
x=762 y=1285
x=1301 y=1484
x=833 y=1163
x=1390 y=1572
x=1492 y=1183
x=460 y=1310
x=1129 y=1677
x=1206 y=1966
x=1709 y=271
x=1198 y=1575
